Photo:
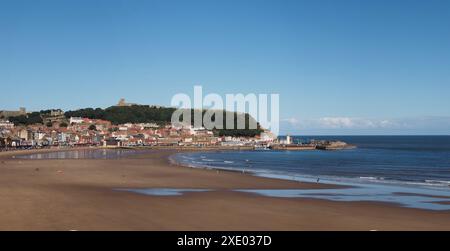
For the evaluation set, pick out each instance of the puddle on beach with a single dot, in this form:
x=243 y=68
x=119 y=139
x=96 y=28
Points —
x=367 y=193
x=162 y=191
x=408 y=197
x=85 y=154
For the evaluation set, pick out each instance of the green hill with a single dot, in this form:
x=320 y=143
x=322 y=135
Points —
x=153 y=114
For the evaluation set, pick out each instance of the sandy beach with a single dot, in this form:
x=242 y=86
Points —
x=80 y=194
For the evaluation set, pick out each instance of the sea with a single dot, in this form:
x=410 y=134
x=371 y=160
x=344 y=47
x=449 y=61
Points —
x=413 y=171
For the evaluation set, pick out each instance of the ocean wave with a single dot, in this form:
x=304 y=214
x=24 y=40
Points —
x=371 y=178
x=446 y=182
x=408 y=183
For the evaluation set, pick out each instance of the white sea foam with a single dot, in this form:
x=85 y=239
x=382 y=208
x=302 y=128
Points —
x=368 y=178
x=438 y=181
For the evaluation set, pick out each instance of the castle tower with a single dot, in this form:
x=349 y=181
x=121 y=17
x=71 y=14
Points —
x=122 y=102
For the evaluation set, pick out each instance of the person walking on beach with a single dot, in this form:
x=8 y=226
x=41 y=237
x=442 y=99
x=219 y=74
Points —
x=318 y=179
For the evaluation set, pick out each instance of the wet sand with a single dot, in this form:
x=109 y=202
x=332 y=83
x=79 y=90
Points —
x=78 y=194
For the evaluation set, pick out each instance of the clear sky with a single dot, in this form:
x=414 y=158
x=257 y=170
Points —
x=340 y=67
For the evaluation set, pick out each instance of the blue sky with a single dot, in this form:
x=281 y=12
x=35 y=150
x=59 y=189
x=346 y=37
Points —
x=340 y=67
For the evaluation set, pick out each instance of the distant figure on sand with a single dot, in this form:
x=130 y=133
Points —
x=318 y=179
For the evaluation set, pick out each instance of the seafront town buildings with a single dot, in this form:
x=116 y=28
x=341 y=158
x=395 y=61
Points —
x=96 y=132
x=57 y=130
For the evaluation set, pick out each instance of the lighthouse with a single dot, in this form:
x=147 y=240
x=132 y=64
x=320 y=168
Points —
x=288 y=139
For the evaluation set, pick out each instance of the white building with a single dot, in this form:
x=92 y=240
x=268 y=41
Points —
x=6 y=124
x=39 y=135
x=148 y=125
x=76 y=120
x=267 y=137
x=232 y=143
x=62 y=137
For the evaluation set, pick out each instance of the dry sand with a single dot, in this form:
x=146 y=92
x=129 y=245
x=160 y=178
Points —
x=80 y=195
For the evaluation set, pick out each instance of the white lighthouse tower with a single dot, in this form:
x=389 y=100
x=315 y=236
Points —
x=288 y=139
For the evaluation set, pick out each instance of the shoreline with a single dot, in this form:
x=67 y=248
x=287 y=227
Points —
x=64 y=194
x=340 y=181
x=325 y=183
x=316 y=185
x=330 y=184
